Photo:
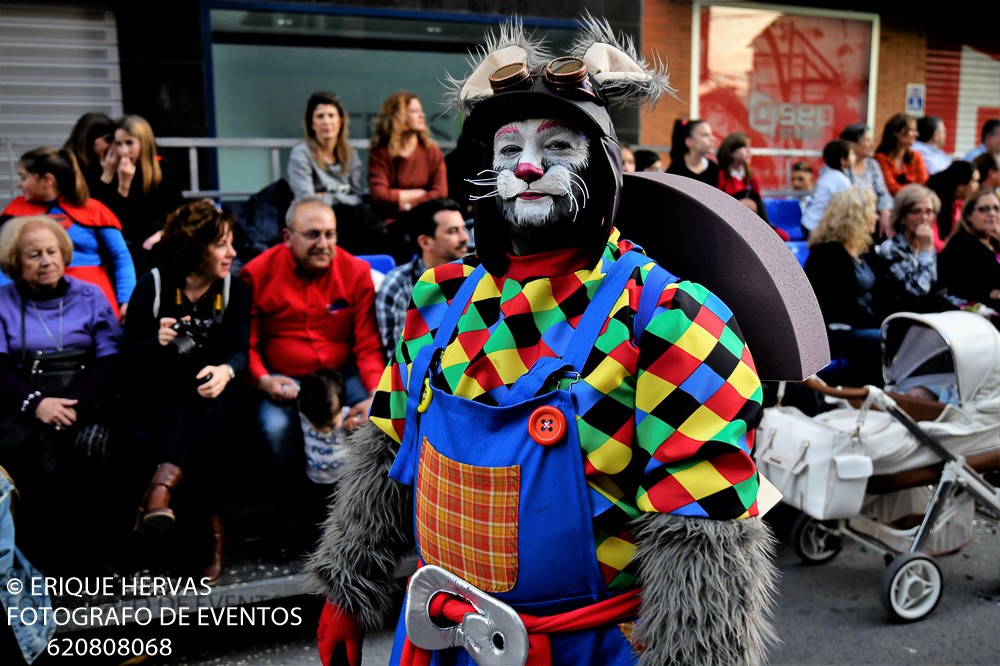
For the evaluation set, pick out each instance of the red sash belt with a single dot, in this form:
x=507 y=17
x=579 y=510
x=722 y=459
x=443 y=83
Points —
x=622 y=608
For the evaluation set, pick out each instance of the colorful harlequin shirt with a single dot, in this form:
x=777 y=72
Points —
x=664 y=427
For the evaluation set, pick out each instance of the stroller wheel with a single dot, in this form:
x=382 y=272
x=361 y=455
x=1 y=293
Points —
x=815 y=541
x=911 y=587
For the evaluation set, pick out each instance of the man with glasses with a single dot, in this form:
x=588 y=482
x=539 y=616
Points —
x=313 y=307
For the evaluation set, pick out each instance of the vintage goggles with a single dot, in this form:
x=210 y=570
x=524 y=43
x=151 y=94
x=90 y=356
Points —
x=566 y=76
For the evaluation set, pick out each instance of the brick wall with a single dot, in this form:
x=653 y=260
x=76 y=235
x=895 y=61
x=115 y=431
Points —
x=902 y=59
x=666 y=33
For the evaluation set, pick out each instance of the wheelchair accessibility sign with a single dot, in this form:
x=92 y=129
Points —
x=915 y=99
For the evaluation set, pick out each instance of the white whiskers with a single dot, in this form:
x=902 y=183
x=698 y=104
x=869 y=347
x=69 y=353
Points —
x=577 y=179
x=574 y=206
x=567 y=187
x=565 y=181
x=477 y=197
x=484 y=182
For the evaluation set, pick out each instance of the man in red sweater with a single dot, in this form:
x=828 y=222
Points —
x=313 y=307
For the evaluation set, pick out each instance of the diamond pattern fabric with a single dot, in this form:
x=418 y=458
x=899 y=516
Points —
x=665 y=427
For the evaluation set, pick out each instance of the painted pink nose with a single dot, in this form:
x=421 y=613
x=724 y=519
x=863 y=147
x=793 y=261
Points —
x=528 y=172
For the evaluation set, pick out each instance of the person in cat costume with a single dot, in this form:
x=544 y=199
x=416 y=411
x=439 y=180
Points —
x=565 y=428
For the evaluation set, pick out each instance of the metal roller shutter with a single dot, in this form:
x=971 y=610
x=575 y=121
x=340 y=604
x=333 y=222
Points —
x=963 y=88
x=56 y=63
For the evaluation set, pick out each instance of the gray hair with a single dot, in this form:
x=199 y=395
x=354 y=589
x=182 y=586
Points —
x=302 y=201
x=10 y=242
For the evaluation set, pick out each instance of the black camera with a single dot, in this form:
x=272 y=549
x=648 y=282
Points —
x=191 y=335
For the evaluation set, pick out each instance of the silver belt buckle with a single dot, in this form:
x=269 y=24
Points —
x=493 y=635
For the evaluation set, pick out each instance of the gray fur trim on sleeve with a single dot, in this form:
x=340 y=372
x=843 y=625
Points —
x=367 y=529
x=708 y=590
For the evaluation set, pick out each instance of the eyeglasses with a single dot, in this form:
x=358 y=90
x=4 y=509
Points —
x=922 y=211
x=566 y=75
x=314 y=235
x=987 y=209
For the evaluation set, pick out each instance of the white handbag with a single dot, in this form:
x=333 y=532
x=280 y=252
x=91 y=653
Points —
x=819 y=470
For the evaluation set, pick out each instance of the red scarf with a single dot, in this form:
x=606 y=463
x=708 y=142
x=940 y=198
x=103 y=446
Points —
x=622 y=608
x=91 y=214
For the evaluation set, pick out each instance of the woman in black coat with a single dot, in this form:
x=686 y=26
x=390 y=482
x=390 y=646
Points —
x=186 y=338
x=969 y=265
x=139 y=186
x=839 y=271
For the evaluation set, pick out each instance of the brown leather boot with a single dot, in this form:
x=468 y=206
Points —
x=155 y=511
x=213 y=570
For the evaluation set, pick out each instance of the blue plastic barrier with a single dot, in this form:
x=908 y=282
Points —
x=799 y=249
x=383 y=263
x=786 y=214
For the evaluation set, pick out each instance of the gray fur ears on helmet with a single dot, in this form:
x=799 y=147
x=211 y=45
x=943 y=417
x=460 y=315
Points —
x=625 y=77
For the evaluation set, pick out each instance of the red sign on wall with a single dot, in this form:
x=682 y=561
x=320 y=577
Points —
x=787 y=81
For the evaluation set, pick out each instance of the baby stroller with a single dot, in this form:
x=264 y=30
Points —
x=900 y=470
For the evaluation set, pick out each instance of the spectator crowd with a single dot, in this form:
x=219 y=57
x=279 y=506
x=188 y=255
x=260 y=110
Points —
x=138 y=329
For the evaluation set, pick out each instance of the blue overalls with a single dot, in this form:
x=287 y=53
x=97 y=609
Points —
x=500 y=495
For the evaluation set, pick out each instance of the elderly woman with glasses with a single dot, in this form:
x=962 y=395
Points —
x=909 y=261
x=970 y=263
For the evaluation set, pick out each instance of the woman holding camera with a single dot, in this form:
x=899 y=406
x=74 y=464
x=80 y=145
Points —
x=186 y=339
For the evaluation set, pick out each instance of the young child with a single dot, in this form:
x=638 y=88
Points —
x=322 y=410
x=802 y=182
x=322 y=414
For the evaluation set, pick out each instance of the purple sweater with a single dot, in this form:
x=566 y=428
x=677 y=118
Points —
x=87 y=323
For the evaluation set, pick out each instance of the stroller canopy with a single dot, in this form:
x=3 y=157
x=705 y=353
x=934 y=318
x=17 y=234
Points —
x=957 y=349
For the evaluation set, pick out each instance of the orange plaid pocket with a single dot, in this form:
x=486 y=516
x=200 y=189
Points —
x=467 y=519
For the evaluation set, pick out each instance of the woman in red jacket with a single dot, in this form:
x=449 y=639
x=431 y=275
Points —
x=735 y=173
x=405 y=167
x=901 y=165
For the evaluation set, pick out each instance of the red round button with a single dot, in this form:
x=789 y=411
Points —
x=547 y=425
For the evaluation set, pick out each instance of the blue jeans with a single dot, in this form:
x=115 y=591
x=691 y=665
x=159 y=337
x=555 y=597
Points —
x=31 y=637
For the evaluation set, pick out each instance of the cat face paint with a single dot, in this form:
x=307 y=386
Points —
x=541 y=168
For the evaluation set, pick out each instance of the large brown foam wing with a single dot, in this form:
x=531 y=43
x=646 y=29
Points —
x=702 y=234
